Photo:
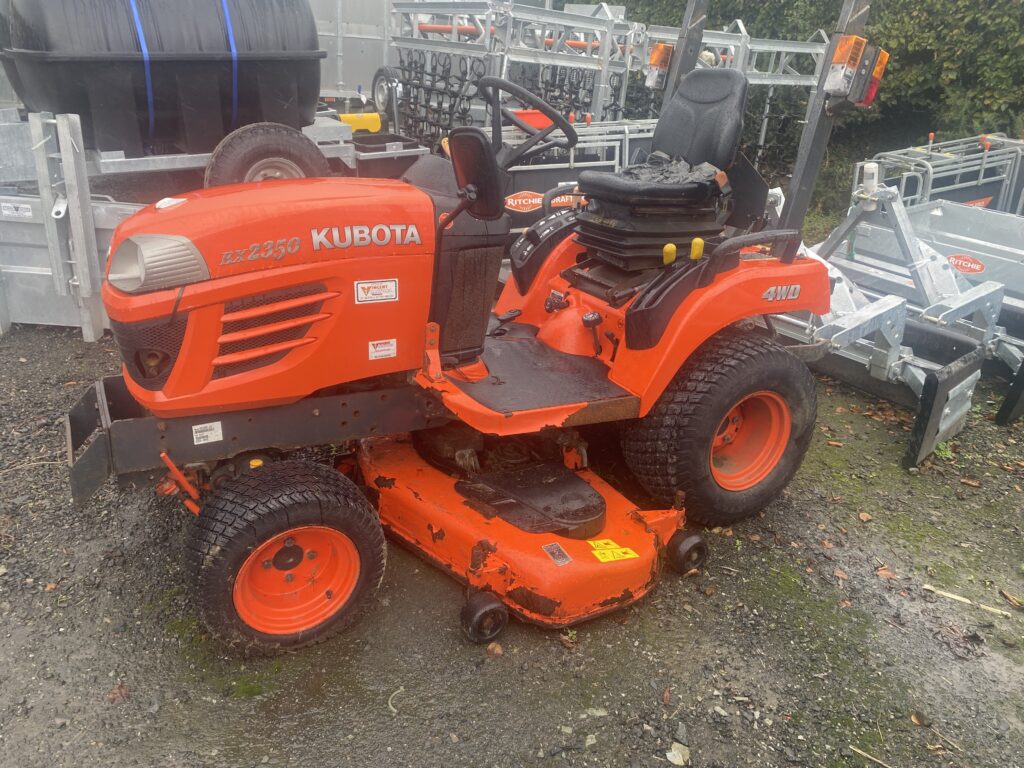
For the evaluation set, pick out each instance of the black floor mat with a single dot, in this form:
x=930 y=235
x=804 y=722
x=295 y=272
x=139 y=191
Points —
x=528 y=374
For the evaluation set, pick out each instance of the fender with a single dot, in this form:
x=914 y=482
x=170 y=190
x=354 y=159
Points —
x=755 y=287
x=531 y=303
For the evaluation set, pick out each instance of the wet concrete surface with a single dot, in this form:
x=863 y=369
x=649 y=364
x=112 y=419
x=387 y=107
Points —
x=808 y=636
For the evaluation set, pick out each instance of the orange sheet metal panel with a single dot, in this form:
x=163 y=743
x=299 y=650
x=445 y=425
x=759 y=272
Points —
x=543 y=578
x=367 y=244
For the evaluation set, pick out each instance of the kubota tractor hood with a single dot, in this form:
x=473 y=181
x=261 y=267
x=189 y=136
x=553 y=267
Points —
x=227 y=231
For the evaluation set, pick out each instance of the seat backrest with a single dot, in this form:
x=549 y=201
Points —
x=704 y=121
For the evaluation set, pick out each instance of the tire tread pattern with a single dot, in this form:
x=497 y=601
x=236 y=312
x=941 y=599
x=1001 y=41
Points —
x=666 y=450
x=251 y=507
x=237 y=151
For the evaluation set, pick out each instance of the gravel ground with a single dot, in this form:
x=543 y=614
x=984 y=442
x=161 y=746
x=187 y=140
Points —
x=809 y=637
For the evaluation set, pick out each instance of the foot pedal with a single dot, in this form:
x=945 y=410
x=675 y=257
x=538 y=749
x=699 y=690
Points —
x=538 y=498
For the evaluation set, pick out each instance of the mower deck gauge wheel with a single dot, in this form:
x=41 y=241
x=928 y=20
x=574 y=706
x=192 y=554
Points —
x=484 y=617
x=686 y=552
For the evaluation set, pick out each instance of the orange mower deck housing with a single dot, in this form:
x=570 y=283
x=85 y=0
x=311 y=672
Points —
x=549 y=580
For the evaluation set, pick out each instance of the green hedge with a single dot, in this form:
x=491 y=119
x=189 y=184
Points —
x=958 y=62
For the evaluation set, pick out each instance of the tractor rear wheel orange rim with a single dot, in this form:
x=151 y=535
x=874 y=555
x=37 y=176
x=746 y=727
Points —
x=296 y=580
x=750 y=441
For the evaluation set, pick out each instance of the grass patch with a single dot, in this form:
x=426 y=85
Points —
x=219 y=674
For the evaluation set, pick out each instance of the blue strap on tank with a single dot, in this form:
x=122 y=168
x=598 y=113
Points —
x=145 y=64
x=234 y=63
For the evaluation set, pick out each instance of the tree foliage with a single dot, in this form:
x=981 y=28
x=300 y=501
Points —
x=956 y=64
x=959 y=60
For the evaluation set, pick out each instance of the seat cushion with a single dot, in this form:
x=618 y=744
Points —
x=655 y=183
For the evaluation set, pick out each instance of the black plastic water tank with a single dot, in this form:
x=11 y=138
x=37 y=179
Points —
x=163 y=76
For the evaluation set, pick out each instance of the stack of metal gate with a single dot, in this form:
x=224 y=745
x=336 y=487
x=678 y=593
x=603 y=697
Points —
x=588 y=59
x=985 y=171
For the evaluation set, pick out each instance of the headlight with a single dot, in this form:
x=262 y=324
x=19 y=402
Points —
x=151 y=262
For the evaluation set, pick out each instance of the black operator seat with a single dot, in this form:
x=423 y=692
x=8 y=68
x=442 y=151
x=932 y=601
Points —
x=697 y=138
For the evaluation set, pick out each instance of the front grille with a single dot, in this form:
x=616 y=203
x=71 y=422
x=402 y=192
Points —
x=266 y=320
x=262 y=300
x=162 y=337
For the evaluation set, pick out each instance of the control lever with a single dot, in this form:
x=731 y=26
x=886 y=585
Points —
x=591 y=320
x=555 y=302
x=508 y=317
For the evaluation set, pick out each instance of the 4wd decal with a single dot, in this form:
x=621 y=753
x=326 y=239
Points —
x=781 y=293
x=360 y=235
x=968 y=265
x=376 y=291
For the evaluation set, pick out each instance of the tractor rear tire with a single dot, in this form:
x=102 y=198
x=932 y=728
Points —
x=264 y=152
x=729 y=431
x=285 y=556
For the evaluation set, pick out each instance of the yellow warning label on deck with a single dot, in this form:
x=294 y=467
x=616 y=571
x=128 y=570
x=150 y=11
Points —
x=607 y=551
x=611 y=555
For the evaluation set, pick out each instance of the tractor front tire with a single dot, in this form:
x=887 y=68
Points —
x=729 y=431
x=285 y=556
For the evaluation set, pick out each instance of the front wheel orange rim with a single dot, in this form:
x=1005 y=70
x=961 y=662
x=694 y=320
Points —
x=296 y=580
x=750 y=441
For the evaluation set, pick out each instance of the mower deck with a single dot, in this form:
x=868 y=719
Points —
x=544 y=578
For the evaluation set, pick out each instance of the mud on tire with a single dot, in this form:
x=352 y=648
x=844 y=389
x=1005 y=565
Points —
x=678 y=446
x=286 y=518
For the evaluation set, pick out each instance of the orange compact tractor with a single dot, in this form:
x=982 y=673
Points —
x=359 y=314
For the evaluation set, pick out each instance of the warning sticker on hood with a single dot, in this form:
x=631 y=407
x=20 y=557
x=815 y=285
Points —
x=383 y=348
x=376 y=291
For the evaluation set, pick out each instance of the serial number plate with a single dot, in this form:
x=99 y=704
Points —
x=211 y=432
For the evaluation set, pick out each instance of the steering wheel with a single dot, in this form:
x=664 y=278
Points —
x=490 y=88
